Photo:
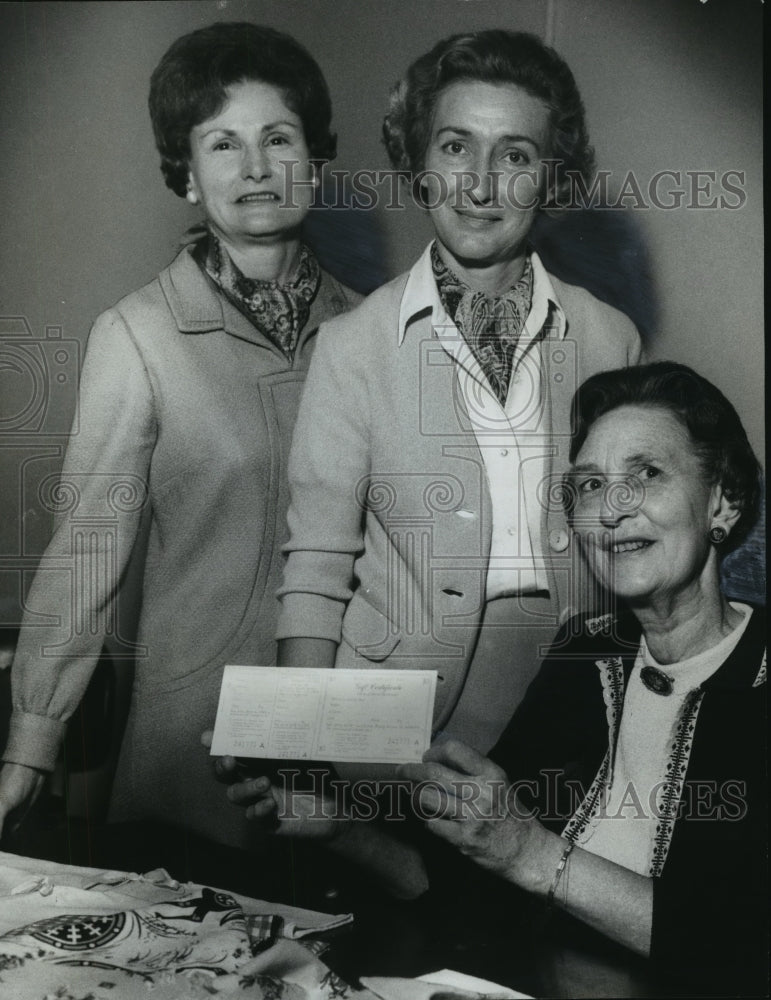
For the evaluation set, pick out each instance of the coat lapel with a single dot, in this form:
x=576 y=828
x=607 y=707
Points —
x=198 y=308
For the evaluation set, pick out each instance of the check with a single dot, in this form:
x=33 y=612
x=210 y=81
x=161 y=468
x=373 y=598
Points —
x=376 y=716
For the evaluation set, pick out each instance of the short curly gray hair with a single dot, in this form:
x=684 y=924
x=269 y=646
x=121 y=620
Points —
x=494 y=56
x=713 y=425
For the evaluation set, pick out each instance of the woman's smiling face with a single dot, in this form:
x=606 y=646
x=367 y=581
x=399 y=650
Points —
x=249 y=167
x=484 y=169
x=643 y=506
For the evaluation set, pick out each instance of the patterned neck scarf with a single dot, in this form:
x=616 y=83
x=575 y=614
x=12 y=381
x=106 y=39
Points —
x=279 y=311
x=491 y=326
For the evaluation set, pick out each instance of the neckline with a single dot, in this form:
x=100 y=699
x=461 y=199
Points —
x=687 y=674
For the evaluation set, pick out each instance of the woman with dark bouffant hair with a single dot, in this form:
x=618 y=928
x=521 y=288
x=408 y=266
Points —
x=188 y=399
x=437 y=413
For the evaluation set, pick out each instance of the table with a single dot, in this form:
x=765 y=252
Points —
x=473 y=925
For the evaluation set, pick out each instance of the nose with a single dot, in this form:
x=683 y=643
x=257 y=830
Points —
x=485 y=181
x=620 y=500
x=255 y=163
x=609 y=516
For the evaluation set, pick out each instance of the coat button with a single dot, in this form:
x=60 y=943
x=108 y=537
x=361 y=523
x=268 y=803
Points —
x=558 y=539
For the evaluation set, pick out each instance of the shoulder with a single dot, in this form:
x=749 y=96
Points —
x=178 y=299
x=592 y=637
x=583 y=303
x=595 y=320
x=152 y=299
x=371 y=325
x=381 y=306
x=339 y=297
x=746 y=667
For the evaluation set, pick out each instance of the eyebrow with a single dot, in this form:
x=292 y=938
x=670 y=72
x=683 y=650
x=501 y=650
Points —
x=279 y=124
x=580 y=470
x=265 y=128
x=465 y=132
x=641 y=457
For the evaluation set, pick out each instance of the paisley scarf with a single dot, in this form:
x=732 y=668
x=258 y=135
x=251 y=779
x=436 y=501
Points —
x=491 y=326
x=278 y=310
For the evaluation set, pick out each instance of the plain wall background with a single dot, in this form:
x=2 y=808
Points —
x=668 y=85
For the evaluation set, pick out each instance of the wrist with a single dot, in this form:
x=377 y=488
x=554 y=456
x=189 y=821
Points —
x=540 y=861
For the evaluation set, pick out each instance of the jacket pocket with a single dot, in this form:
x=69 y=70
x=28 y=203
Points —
x=369 y=632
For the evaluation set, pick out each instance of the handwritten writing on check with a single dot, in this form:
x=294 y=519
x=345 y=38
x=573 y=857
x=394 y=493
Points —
x=379 y=716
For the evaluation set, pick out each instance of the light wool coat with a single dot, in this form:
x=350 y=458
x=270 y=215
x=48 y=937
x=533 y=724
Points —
x=186 y=413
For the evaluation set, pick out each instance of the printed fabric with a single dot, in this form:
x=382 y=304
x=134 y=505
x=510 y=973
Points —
x=490 y=325
x=279 y=311
x=63 y=935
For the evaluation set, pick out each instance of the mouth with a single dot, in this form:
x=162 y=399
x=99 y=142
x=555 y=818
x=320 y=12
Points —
x=478 y=215
x=630 y=545
x=257 y=198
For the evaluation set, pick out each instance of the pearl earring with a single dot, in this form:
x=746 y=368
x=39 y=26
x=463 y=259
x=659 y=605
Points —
x=191 y=196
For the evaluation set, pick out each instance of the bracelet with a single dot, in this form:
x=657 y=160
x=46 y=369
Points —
x=558 y=875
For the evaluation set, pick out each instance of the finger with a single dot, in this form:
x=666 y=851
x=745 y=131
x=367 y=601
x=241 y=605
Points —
x=206 y=737
x=432 y=800
x=430 y=772
x=453 y=833
x=461 y=757
x=263 y=809
x=457 y=784
x=245 y=792
x=225 y=766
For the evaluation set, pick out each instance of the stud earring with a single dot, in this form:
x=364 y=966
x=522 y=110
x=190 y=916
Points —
x=717 y=535
x=191 y=196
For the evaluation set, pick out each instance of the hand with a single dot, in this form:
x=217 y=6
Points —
x=228 y=769
x=19 y=787
x=310 y=815
x=303 y=814
x=467 y=800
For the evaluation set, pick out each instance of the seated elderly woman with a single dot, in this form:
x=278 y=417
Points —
x=628 y=788
x=638 y=753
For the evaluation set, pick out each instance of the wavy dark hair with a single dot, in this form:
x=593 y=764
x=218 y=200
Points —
x=714 y=427
x=189 y=85
x=494 y=56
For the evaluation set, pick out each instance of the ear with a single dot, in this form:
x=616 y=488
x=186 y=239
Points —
x=724 y=512
x=192 y=190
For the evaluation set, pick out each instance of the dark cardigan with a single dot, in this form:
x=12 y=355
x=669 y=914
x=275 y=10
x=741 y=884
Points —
x=710 y=896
